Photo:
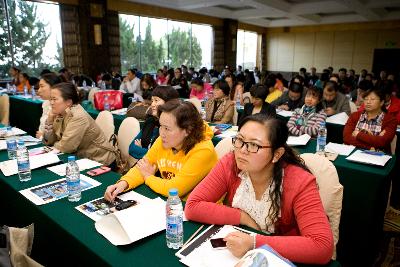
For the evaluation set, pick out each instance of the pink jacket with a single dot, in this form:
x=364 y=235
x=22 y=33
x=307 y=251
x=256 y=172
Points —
x=200 y=95
x=303 y=233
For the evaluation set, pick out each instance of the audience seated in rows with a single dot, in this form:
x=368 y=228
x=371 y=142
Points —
x=333 y=101
x=200 y=89
x=219 y=108
x=290 y=99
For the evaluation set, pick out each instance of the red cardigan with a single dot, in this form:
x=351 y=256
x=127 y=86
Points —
x=367 y=141
x=394 y=108
x=303 y=233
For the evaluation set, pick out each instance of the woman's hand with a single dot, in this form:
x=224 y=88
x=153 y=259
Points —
x=39 y=135
x=239 y=243
x=283 y=107
x=146 y=168
x=138 y=142
x=355 y=133
x=113 y=190
x=245 y=219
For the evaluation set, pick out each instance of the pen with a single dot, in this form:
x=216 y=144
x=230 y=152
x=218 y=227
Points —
x=192 y=236
x=375 y=153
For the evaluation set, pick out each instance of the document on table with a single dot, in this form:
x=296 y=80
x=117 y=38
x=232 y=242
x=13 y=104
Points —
x=121 y=111
x=284 y=113
x=10 y=167
x=340 y=149
x=83 y=164
x=3 y=144
x=340 y=118
x=369 y=157
x=54 y=190
x=14 y=131
x=298 y=140
x=132 y=224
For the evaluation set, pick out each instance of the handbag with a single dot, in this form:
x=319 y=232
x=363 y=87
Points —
x=114 y=99
x=122 y=165
x=138 y=110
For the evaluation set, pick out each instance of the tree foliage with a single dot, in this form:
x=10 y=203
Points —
x=154 y=53
x=29 y=37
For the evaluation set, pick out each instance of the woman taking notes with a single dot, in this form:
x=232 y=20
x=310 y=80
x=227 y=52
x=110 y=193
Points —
x=266 y=187
x=70 y=129
x=182 y=154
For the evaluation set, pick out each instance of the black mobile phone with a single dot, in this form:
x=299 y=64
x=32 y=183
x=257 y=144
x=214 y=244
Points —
x=125 y=204
x=218 y=243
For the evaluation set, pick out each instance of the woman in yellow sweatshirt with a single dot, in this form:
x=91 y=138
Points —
x=183 y=153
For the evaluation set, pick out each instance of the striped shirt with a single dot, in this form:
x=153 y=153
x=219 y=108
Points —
x=312 y=122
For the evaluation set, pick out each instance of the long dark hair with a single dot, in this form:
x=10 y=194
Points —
x=188 y=118
x=68 y=91
x=277 y=135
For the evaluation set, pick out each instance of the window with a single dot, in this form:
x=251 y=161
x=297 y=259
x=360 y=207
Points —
x=36 y=37
x=149 y=43
x=247 y=49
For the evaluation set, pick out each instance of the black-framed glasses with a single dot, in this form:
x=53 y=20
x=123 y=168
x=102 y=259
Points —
x=251 y=147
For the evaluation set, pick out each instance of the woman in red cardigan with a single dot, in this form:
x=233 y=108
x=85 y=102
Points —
x=372 y=128
x=266 y=187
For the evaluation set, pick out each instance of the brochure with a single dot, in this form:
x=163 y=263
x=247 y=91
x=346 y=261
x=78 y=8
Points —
x=340 y=118
x=10 y=167
x=52 y=191
x=369 y=157
x=298 y=140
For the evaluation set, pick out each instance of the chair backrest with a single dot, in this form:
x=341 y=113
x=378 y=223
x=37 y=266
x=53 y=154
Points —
x=196 y=102
x=393 y=145
x=129 y=129
x=105 y=121
x=246 y=98
x=223 y=147
x=353 y=107
x=4 y=109
x=91 y=94
x=330 y=190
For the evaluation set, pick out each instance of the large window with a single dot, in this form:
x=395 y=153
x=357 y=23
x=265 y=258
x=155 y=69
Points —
x=246 y=55
x=149 y=43
x=35 y=33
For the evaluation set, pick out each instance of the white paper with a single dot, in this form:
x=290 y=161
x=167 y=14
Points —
x=129 y=225
x=3 y=144
x=10 y=167
x=60 y=186
x=14 y=131
x=298 y=140
x=83 y=164
x=340 y=118
x=364 y=157
x=264 y=256
x=340 y=149
x=121 y=111
x=284 y=113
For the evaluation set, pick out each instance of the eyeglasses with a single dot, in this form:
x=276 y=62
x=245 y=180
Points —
x=251 y=147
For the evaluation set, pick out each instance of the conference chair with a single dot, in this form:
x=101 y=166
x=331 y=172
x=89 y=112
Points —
x=4 y=109
x=330 y=190
x=224 y=147
x=246 y=98
x=353 y=107
x=196 y=102
x=105 y=121
x=129 y=129
x=91 y=94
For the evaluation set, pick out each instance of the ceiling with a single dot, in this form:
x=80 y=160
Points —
x=280 y=13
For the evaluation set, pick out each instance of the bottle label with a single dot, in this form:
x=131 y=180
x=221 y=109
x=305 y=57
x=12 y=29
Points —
x=23 y=166
x=11 y=144
x=174 y=224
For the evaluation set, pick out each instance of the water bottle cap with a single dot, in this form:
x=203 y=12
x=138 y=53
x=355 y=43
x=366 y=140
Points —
x=322 y=123
x=21 y=142
x=173 y=192
x=9 y=128
x=71 y=158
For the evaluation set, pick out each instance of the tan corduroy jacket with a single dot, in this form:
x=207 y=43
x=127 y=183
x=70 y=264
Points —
x=77 y=132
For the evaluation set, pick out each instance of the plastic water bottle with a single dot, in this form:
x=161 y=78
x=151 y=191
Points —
x=73 y=180
x=238 y=101
x=84 y=85
x=24 y=170
x=33 y=92
x=25 y=90
x=14 y=89
x=321 y=139
x=8 y=88
x=106 y=103
x=174 y=212
x=103 y=85
x=11 y=144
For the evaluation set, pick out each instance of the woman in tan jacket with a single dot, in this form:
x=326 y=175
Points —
x=72 y=130
x=220 y=109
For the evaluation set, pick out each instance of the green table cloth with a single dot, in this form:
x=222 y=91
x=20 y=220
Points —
x=66 y=237
x=25 y=113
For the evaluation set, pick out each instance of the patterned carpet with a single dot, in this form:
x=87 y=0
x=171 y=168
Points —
x=390 y=247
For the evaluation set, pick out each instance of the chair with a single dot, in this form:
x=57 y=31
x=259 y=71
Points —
x=223 y=147
x=91 y=94
x=196 y=102
x=246 y=98
x=105 y=121
x=128 y=130
x=353 y=107
x=330 y=190
x=4 y=109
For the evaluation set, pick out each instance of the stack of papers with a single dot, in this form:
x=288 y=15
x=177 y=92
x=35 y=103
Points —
x=3 y=144
x=340 y=118
x=83 y=164
x=340 y=149
x=121 y=111
x=52 y=191
x=10 y=167
x=301 y=140
x=284 y=113
x=369 y=157
x=14 y=131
